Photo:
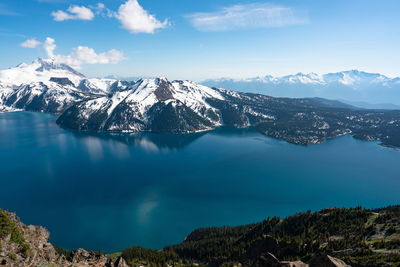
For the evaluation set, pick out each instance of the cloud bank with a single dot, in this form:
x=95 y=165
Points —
x=246 y=16
x=80 y=55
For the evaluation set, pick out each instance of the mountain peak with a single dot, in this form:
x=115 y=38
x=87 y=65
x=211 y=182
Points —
x=40 y=70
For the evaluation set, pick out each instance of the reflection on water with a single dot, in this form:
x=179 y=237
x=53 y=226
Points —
x=42 y=126
x=115 y=191
x=151 y=142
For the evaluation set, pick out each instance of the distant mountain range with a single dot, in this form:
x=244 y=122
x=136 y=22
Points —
x=163 y=106
x=353 y=86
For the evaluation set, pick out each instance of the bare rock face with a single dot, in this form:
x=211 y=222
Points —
x=22 y=246
x=324 y=260
x=120 y=262
x=83 y=258
x=269 y=260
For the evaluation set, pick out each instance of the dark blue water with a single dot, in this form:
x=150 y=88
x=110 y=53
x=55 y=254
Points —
x=111 y=192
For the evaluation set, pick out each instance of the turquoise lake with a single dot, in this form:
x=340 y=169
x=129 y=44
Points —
x=110 y=192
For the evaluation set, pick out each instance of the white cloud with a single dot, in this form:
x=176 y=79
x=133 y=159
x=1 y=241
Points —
x=87 y=55
x=73 y=13
x=81 y=55
x=31 y=43
x=49 y=46
x=246 y=16
x=136 y=19
x=132 y=16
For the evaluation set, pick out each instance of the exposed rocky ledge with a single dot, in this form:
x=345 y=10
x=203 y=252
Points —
x=27 y=245
x=319 y=260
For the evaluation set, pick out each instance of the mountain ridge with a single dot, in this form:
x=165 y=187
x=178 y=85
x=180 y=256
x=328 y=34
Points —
x=312 y=77
x=352 y=85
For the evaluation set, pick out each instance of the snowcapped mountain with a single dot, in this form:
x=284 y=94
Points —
x=47 y=86
x=47 y=71
x=150 y=104
x=42 y=97
x=350 y=85
x=351 y=77
x=311 y=78
x=41 y=70
x=356 y=78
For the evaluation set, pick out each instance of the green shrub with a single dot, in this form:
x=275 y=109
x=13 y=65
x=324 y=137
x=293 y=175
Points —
x=8 y=227
x=6 y=224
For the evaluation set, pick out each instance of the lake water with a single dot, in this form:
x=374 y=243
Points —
x=112 y=192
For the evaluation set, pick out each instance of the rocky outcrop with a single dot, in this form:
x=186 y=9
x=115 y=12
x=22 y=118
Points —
x=324 y=260
x=62 y=81
x=319 y=260
x=22 y=245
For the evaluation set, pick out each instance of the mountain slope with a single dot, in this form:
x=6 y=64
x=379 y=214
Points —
x=47 y=97
x=351 y=85
x=150 y=105
x=360 y=237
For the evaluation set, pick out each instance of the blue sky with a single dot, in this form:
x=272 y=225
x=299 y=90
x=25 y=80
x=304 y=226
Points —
x=185 y=39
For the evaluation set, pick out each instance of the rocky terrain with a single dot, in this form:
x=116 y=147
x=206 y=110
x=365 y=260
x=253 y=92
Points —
x=163 y=106
x=331 y=237
x=22 y=246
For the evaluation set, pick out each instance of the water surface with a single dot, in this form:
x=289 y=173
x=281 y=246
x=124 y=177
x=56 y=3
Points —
x=110 y=192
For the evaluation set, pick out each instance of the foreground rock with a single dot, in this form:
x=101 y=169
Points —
x=324 y=260
x=22 y=245
x=319 y=260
